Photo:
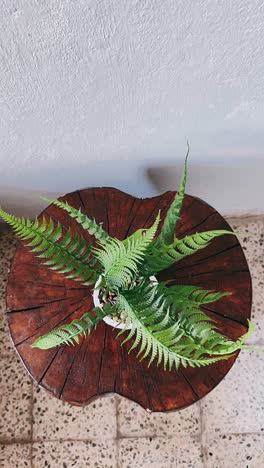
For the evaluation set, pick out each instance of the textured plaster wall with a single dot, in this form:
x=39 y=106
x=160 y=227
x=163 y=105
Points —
x=100 y=92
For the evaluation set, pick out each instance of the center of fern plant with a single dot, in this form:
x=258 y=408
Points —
x=163 y=322
x=110 y=297
x=104 y=296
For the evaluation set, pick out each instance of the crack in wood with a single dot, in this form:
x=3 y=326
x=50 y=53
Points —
x=166 y=208
x=209 y=272
x=114 y=385
x=78 y=349
x=227 y=317
x=199 y=262
x=101 y=358
x=50 y=363
x=186 y=211
x=106 y=210
x=199 y=224
x=13 y=311
x=81 y=200
x=55 y=326
x=133 y=217
x=83 y=359
x=120 y=366
x=219 y=252
x=150 y=406
x=219 y=272
x=189 y=384
x=48 y=303
x=88 y=288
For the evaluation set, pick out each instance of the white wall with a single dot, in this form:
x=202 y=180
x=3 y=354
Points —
x=105 y=92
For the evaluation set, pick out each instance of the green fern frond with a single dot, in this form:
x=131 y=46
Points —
x=200 y=330
x=186 y=296
x=70 y=333
x=189 y=339
x=244 y=338
x=157 y=334
x=159 y=258
x=120 y=259
x=173 y=213
x=67 y=253
x=185 y=302
x=160 y=343
x=90 y=225
x=240 y=343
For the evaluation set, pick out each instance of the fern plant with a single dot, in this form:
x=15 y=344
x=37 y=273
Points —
x=163 y=323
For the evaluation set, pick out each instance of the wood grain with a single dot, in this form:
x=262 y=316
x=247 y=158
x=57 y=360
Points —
x=39 y=300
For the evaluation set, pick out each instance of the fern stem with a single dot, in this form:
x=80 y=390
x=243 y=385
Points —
x=174 y=211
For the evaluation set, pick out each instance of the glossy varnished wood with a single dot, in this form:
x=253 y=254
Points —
x=39 y=300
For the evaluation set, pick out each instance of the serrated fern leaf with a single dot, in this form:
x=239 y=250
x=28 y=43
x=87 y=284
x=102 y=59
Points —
x=186 y=296
x=156 y=333
x=189 y=339
x=120 y=259
x=159 y=258
x=184 y=302
x=240 y=343
x=67 y=254
x=70 y=333
x=200 y=329
x=173 y=213
x=88 y=224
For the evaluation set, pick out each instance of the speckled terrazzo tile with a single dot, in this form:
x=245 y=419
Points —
x=237 y=403
x=15 y=401
x=160 y=452
x=189 y=453
x=253 y=246
x=54 y=419
x=235 y=450
x=6 y=345
x=254 y=251
x=7 y=250
x=81 y=454
x=15 y=456
x=257 y=315
x=134 y=421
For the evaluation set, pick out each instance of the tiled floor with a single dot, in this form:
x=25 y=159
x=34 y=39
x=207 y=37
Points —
x=224 y=430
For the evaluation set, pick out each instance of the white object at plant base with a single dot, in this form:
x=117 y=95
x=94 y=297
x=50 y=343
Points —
x=97 y=303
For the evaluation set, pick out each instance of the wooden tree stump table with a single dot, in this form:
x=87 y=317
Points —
x=39 y=300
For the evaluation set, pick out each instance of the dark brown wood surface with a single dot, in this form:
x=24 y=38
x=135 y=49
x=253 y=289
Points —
x=39 y=300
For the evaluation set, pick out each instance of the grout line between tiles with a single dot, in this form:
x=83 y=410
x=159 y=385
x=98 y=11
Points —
x=48 y=441
x=15 y=442
x=196 y=437
x=203 y=437
x=256 y=217
x=117 y=454
x=31 y=425
x=117 y=418
x=117 y=432
x=99 y=439
x=259 y=342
